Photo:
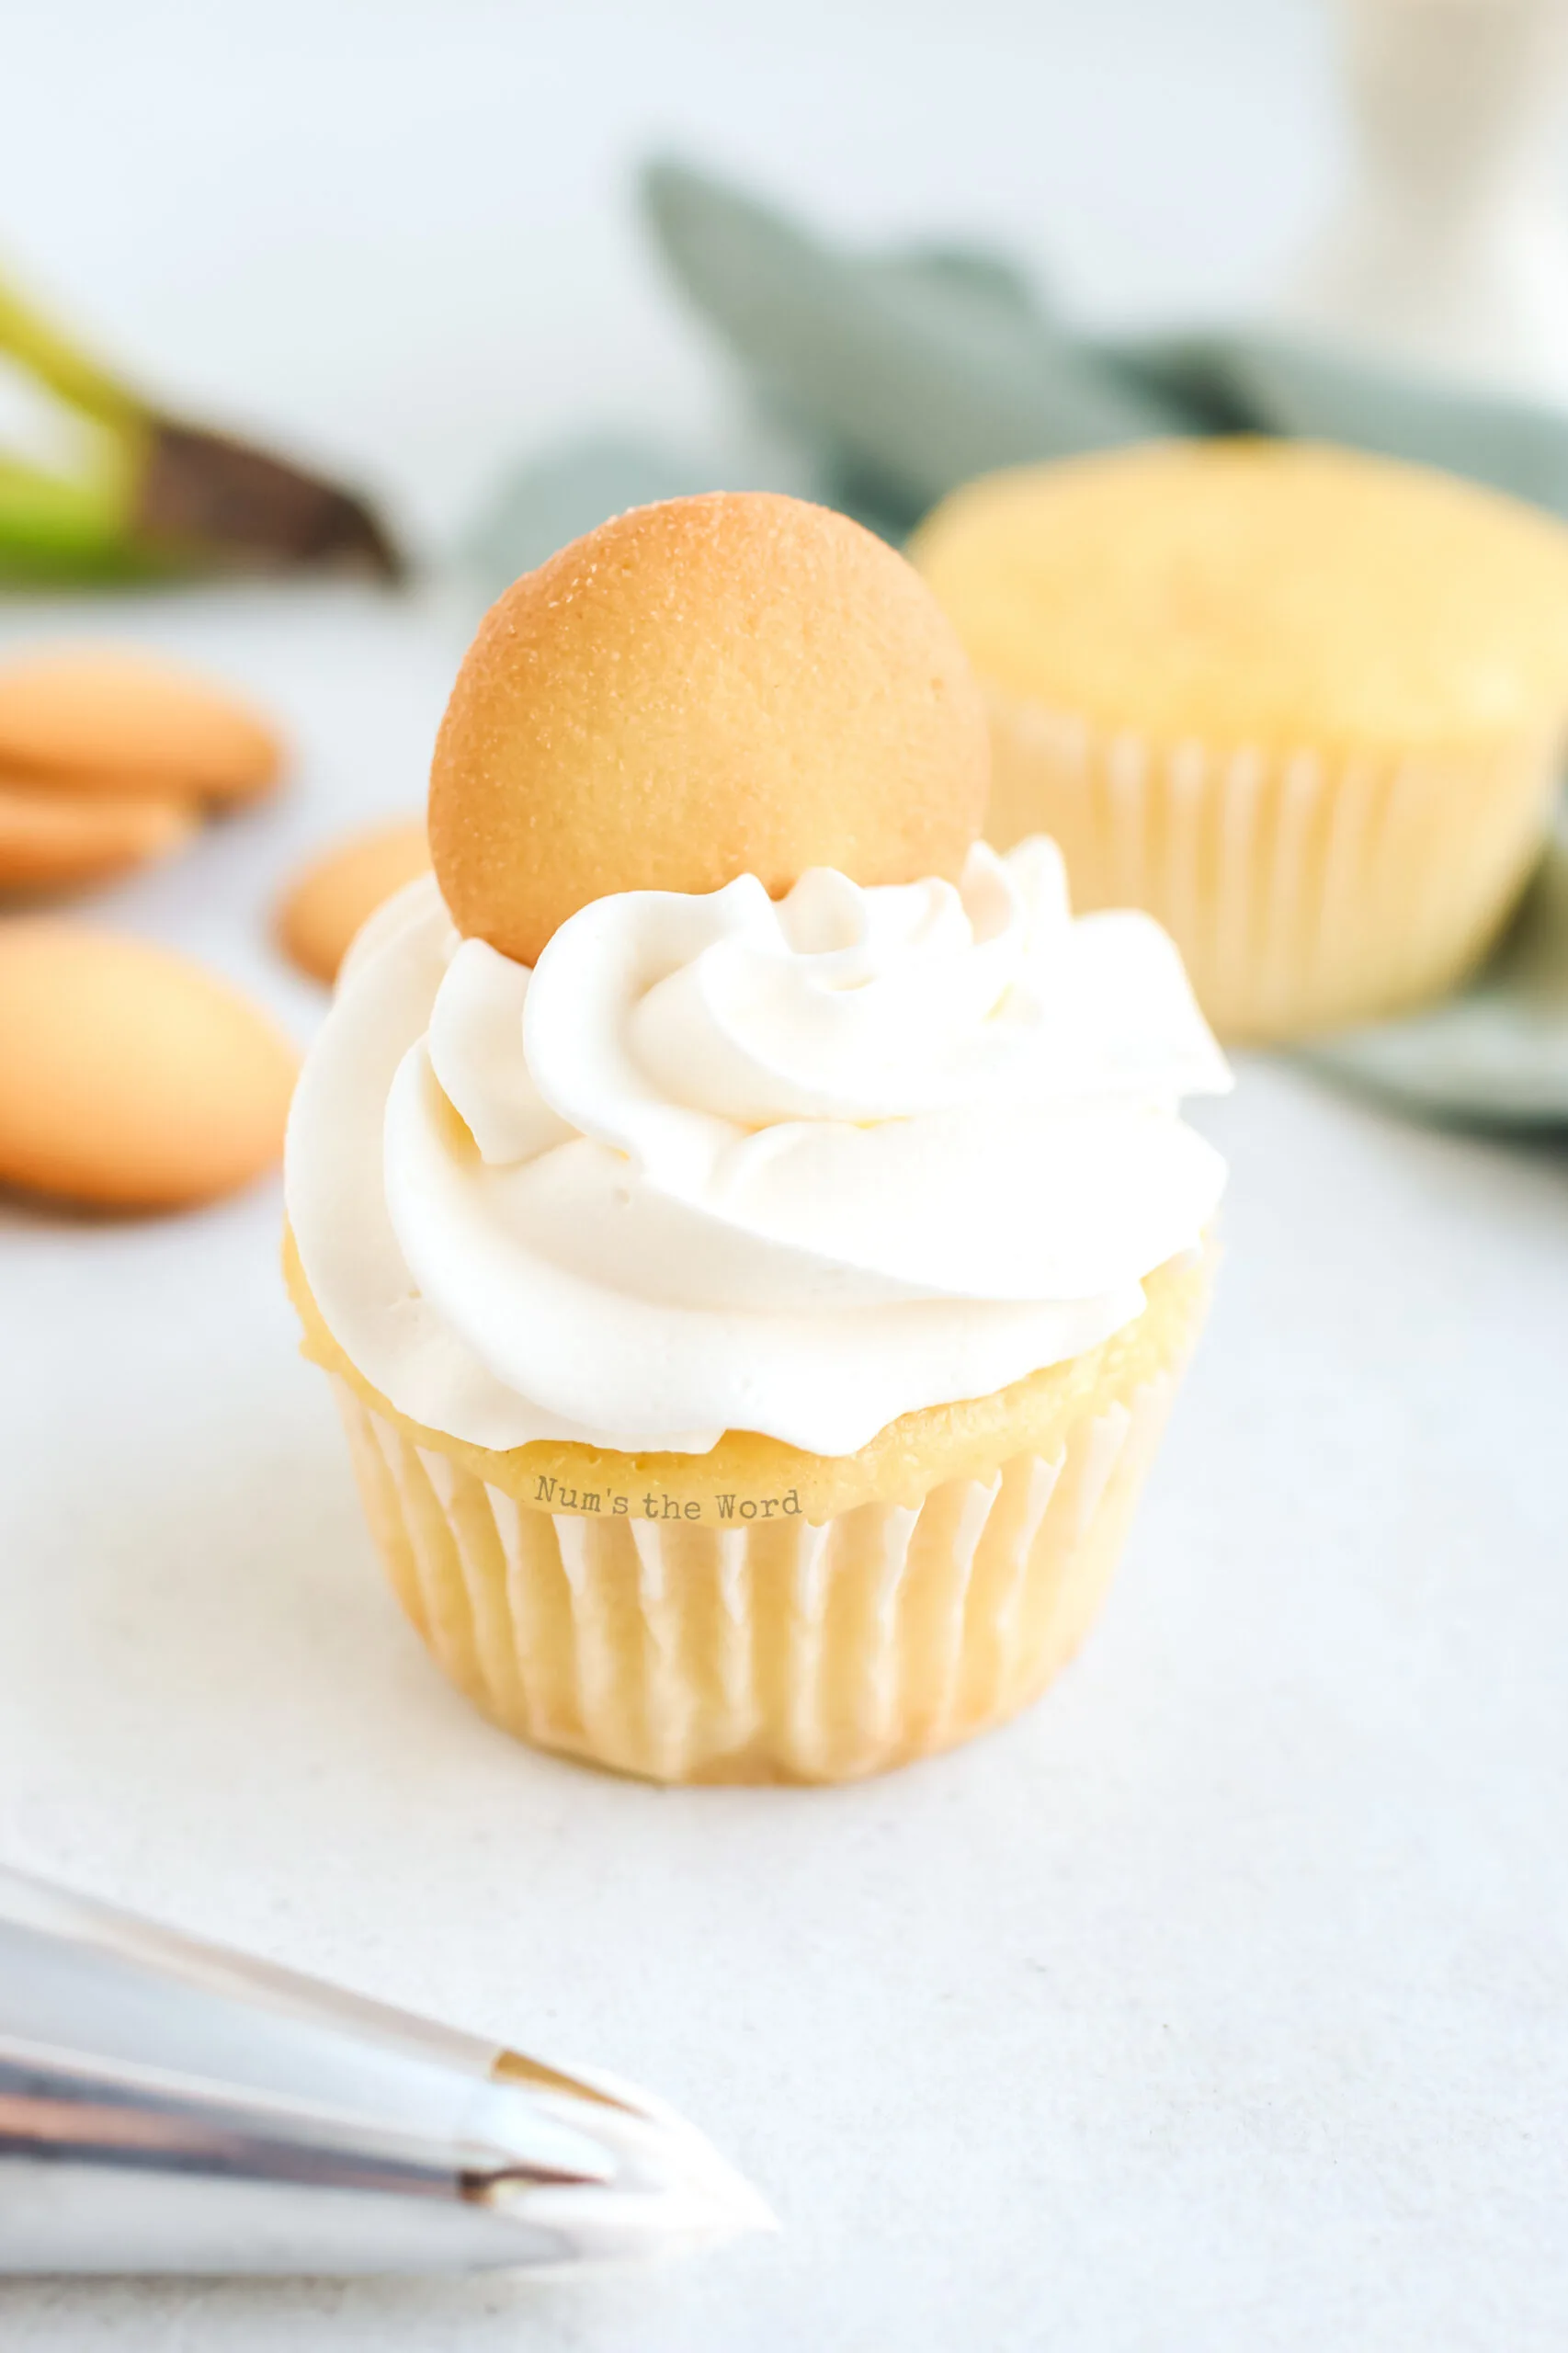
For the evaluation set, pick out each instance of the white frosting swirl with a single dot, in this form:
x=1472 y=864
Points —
x=720 y=1162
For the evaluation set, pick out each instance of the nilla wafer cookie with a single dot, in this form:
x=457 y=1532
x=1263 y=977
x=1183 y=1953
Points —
x=327 y=903
x=104 y=719
x=738 y=683
x=57 y=840
x=131 y=1078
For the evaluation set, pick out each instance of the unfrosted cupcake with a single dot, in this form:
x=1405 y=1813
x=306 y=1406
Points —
x=753 y=1314
x=1306 y=707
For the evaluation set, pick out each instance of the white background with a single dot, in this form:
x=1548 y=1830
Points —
x=1221 y=2003
x=397 y=232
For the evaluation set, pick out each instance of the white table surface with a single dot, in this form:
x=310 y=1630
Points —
x=1217 y=2004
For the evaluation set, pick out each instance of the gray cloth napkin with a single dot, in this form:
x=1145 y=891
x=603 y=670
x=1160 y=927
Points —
x=1497 y=1055
x=886 y=379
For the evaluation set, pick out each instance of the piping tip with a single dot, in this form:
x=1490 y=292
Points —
x=167 y=2106
x=664 y=2189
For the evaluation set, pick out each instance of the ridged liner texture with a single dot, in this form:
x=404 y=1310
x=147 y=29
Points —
x=782 y=1651
x=1306 y=890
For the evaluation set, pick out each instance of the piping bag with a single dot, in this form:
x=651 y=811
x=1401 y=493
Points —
x=168 y=2106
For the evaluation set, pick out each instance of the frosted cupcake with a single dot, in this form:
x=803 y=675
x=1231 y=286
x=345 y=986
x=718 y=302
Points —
x=1307 y=708
x=753 y=1299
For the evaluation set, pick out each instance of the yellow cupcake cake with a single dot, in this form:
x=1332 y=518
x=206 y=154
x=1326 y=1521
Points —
x=745 y=1219
x=1306 y=707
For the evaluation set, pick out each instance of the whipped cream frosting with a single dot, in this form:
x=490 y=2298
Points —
x=726 y=1163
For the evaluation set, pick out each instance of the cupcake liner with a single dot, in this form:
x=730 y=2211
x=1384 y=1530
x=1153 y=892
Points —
x=1304 y=889
x=772 y=1648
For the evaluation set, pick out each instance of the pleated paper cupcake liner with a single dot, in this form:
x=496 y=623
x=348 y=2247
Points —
x=1306 y=891
x=773 y=1650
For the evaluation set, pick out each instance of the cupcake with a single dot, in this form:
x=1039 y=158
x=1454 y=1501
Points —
x=1305 y=707
x=746 y=1219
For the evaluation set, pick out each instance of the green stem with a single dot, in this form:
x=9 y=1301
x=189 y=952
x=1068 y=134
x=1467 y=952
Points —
x=60 y=527
x=39 y=345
